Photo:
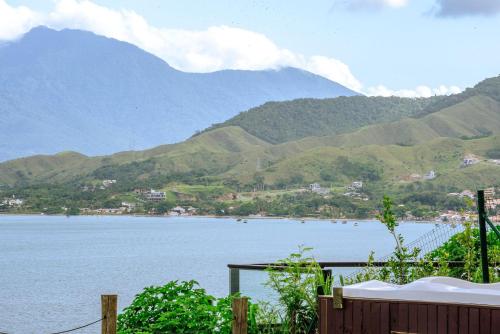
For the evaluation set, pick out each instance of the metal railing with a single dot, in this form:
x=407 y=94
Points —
x=326 y=267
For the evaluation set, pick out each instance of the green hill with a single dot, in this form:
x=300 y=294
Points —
x=392 y=164
x=278 y=122
x=381 y=140
x=212 y=152
x=475 y=117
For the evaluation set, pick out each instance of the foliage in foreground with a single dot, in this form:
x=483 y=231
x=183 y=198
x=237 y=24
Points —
x=463 y=247
x=177 y=307
x=183 y=307
x=296 y=285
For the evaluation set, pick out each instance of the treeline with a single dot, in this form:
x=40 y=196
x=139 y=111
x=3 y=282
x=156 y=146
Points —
x=278 y=122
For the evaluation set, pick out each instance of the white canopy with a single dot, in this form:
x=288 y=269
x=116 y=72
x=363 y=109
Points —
x=429 y=289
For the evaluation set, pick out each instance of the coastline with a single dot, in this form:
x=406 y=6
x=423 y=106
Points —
x=306 y=219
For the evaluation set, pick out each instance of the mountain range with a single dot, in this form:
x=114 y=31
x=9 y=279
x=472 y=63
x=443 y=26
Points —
x=74 y=90
x=385 y=140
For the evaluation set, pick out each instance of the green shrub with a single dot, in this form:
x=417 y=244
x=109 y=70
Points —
x=465 y=246
x=493 y=153
x=177 y=307
x=296 y=287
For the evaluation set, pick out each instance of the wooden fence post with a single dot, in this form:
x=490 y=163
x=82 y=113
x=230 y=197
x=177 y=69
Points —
x=240 y=315
x=109 y=308
x=338 y=296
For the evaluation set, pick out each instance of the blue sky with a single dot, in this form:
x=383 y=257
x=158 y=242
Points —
x=399 y=44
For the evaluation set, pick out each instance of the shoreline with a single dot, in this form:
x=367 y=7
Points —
x=309 y=219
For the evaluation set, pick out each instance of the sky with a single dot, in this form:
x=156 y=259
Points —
x=377 y=47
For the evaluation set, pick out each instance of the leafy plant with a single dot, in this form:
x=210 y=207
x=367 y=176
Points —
x=398 y=270
x=296 y=286
x=177 y=307
x=465 y=246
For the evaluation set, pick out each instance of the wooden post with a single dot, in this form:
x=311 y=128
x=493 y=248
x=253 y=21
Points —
x=338 y=296
x=240 y=315
x=109 y=307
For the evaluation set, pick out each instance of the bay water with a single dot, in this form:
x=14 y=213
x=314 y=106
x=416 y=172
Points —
x=53 y=269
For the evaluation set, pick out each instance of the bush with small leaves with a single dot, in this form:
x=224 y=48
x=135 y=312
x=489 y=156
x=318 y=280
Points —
x=177 y=307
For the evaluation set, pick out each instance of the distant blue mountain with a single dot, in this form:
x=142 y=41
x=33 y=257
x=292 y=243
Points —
x=74 y=90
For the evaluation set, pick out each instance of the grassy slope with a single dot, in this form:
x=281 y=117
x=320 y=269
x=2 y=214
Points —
x=477 y=116
x=231 y=152
x=216 y=151
x=444 y=155
x=280 y=122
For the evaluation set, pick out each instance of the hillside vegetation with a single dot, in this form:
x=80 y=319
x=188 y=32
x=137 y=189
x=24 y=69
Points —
x=390 y=151
x=278 y=122
x=475 y=117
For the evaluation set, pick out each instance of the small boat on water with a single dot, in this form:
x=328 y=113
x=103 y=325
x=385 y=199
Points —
x=245 y=221
x=356 y=224
x=334 y=221
x=344 y=222
x=238 y=220
x=303 y=221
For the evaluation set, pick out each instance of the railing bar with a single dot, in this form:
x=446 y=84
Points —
x=353 y=264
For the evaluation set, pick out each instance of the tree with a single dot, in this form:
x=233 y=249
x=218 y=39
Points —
x=163 y=207
x=398 y=263
x=73 y=211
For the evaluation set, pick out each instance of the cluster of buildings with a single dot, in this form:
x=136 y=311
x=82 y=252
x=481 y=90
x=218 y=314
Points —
x=151 y=194
x=104 y=211
x=317 y=189
x=108 y=183
x=492 y=203
x=127 y=208
x=355 y=190
x=489 y=195
x=180 y=211
x=430 y=175
x=465 y=193
x=469 y=160
x=454 y=217
x=12 y=202
x=104 y=185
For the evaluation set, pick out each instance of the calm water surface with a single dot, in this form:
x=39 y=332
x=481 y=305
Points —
x=54 y=269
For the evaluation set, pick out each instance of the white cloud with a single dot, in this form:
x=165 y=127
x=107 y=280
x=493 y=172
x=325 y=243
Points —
x=419 y=91
x=332 y=68
x=212 y=49
x=373 y=4
x=216 y=48
x=14 y=21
